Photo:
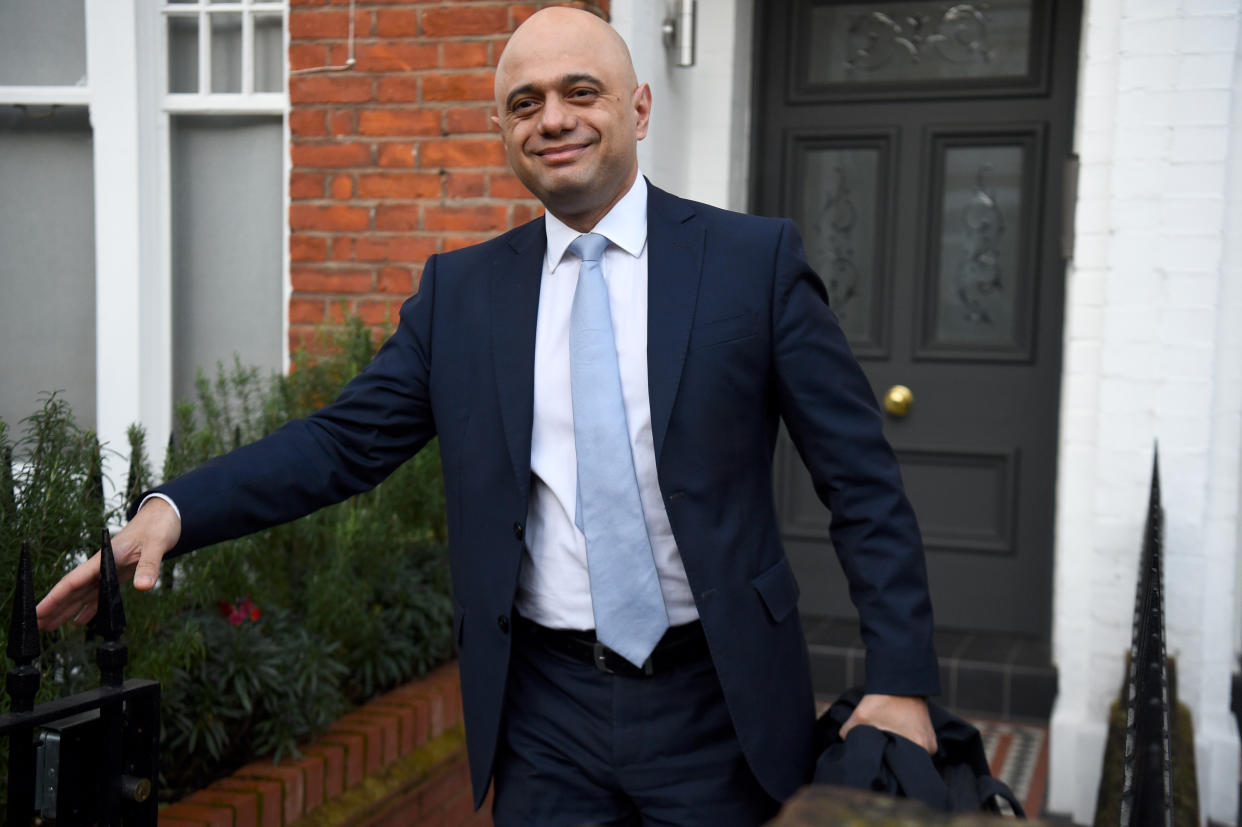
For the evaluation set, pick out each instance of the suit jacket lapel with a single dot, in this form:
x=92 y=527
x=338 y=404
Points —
x=514 y=310
x=674 y=263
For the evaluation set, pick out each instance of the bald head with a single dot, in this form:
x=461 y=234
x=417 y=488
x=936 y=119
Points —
x=571 y=113
x=561 y=29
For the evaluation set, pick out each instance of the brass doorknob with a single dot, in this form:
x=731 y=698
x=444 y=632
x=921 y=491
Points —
x=898 y=400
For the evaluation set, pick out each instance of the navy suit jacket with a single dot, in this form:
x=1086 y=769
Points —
x=739 y=337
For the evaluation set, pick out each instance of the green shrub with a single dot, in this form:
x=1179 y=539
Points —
x=261 y=641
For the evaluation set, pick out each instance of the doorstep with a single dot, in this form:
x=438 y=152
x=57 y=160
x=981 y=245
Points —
x=981 y=673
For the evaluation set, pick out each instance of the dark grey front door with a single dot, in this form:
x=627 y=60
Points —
x=922 y=149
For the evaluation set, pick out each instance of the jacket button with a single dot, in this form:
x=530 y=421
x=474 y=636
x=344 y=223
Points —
x=519 y=530
x=503 y=623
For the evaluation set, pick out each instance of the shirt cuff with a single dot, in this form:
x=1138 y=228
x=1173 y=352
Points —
x=163 y=497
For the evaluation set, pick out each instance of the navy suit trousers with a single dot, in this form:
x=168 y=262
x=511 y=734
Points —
x=579 y=746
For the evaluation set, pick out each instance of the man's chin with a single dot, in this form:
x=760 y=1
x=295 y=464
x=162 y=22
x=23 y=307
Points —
x=563 y=192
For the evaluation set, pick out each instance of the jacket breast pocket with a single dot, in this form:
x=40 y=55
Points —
x=728 y=329
x=779 y=590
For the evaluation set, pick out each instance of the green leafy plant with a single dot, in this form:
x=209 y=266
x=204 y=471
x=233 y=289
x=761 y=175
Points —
x=258 y=642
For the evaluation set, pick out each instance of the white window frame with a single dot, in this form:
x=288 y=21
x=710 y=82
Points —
x=130 y=115
x=44 y=96
x=124 y=369
x=206 y=102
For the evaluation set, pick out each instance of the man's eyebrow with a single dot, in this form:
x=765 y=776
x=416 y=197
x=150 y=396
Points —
x=566 y=80
x=520 y=90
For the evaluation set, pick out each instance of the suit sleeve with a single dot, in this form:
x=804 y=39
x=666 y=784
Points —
x=837 y=428
x=381 y=418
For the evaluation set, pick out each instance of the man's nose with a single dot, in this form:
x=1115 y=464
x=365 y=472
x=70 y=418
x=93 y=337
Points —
x=556 y=116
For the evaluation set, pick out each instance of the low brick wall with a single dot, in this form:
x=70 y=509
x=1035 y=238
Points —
x=399 y=760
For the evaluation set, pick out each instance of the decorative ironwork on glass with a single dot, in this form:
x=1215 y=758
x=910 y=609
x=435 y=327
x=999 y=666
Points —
x=838 y=216
x=919 y=41
x=979 y=273
x=834 y=230
x=980 y=277
x=960 y=35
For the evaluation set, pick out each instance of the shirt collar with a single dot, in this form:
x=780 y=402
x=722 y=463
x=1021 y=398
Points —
x=625 y=225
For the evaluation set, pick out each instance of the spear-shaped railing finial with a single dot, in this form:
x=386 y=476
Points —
x=22 y=681
x=1146 y=790
x=109 y=623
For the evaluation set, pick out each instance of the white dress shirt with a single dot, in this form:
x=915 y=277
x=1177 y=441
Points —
x=555 y=588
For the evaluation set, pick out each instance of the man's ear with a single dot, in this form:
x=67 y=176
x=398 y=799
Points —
x=641 y=101
x=496 y=120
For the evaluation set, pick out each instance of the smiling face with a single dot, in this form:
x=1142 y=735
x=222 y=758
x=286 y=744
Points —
x=571 y=113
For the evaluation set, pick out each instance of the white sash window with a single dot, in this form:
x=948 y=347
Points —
x=143 y=189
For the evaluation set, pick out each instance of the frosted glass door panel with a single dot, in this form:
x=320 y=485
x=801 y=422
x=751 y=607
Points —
x=842 y=217
x=915 y=42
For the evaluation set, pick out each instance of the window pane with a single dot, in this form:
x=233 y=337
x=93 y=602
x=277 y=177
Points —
x=929 y=40
x=226 y=57
x=47 y=270
x=226 y=222
x=269 y=65
x=182 y=54
x=42 y=43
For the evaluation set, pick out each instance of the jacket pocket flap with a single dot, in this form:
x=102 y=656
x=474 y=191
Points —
x=719 y=331
x=779 y=590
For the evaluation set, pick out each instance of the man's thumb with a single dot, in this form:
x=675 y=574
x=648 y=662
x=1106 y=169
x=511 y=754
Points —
x=147 y=571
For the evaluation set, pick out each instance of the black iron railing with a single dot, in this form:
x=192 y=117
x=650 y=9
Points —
x=89 y=758
x=1146 y=793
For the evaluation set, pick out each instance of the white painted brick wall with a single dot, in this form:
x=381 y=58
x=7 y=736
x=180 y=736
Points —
x=1153 y=351
x=699 y=136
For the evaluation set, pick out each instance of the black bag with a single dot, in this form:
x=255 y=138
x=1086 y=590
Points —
x=955 y=779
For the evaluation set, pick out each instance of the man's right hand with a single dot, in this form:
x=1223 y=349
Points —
x=138 y=549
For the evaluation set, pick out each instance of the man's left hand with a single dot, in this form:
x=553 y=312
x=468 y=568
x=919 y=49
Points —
x=902 y=714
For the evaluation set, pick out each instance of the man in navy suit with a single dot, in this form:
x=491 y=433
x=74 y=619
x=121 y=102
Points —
x=721 y=330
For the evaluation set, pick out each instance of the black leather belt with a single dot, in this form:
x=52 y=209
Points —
x=679 y=646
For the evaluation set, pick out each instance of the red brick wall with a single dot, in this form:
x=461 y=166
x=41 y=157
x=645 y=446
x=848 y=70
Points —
x=366 y=743
x=397 y=158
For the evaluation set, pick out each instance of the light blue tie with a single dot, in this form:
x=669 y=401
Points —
x=630 y=617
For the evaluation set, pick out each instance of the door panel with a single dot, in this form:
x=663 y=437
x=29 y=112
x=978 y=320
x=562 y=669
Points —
x=919 y=147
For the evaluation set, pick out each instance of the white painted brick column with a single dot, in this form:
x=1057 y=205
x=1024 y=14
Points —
x=1152 y=353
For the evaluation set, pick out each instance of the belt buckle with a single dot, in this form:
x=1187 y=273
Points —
x=600 y=656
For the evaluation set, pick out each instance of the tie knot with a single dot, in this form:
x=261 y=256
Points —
x=589 y=247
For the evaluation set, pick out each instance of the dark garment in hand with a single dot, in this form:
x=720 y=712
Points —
x=955 y=779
